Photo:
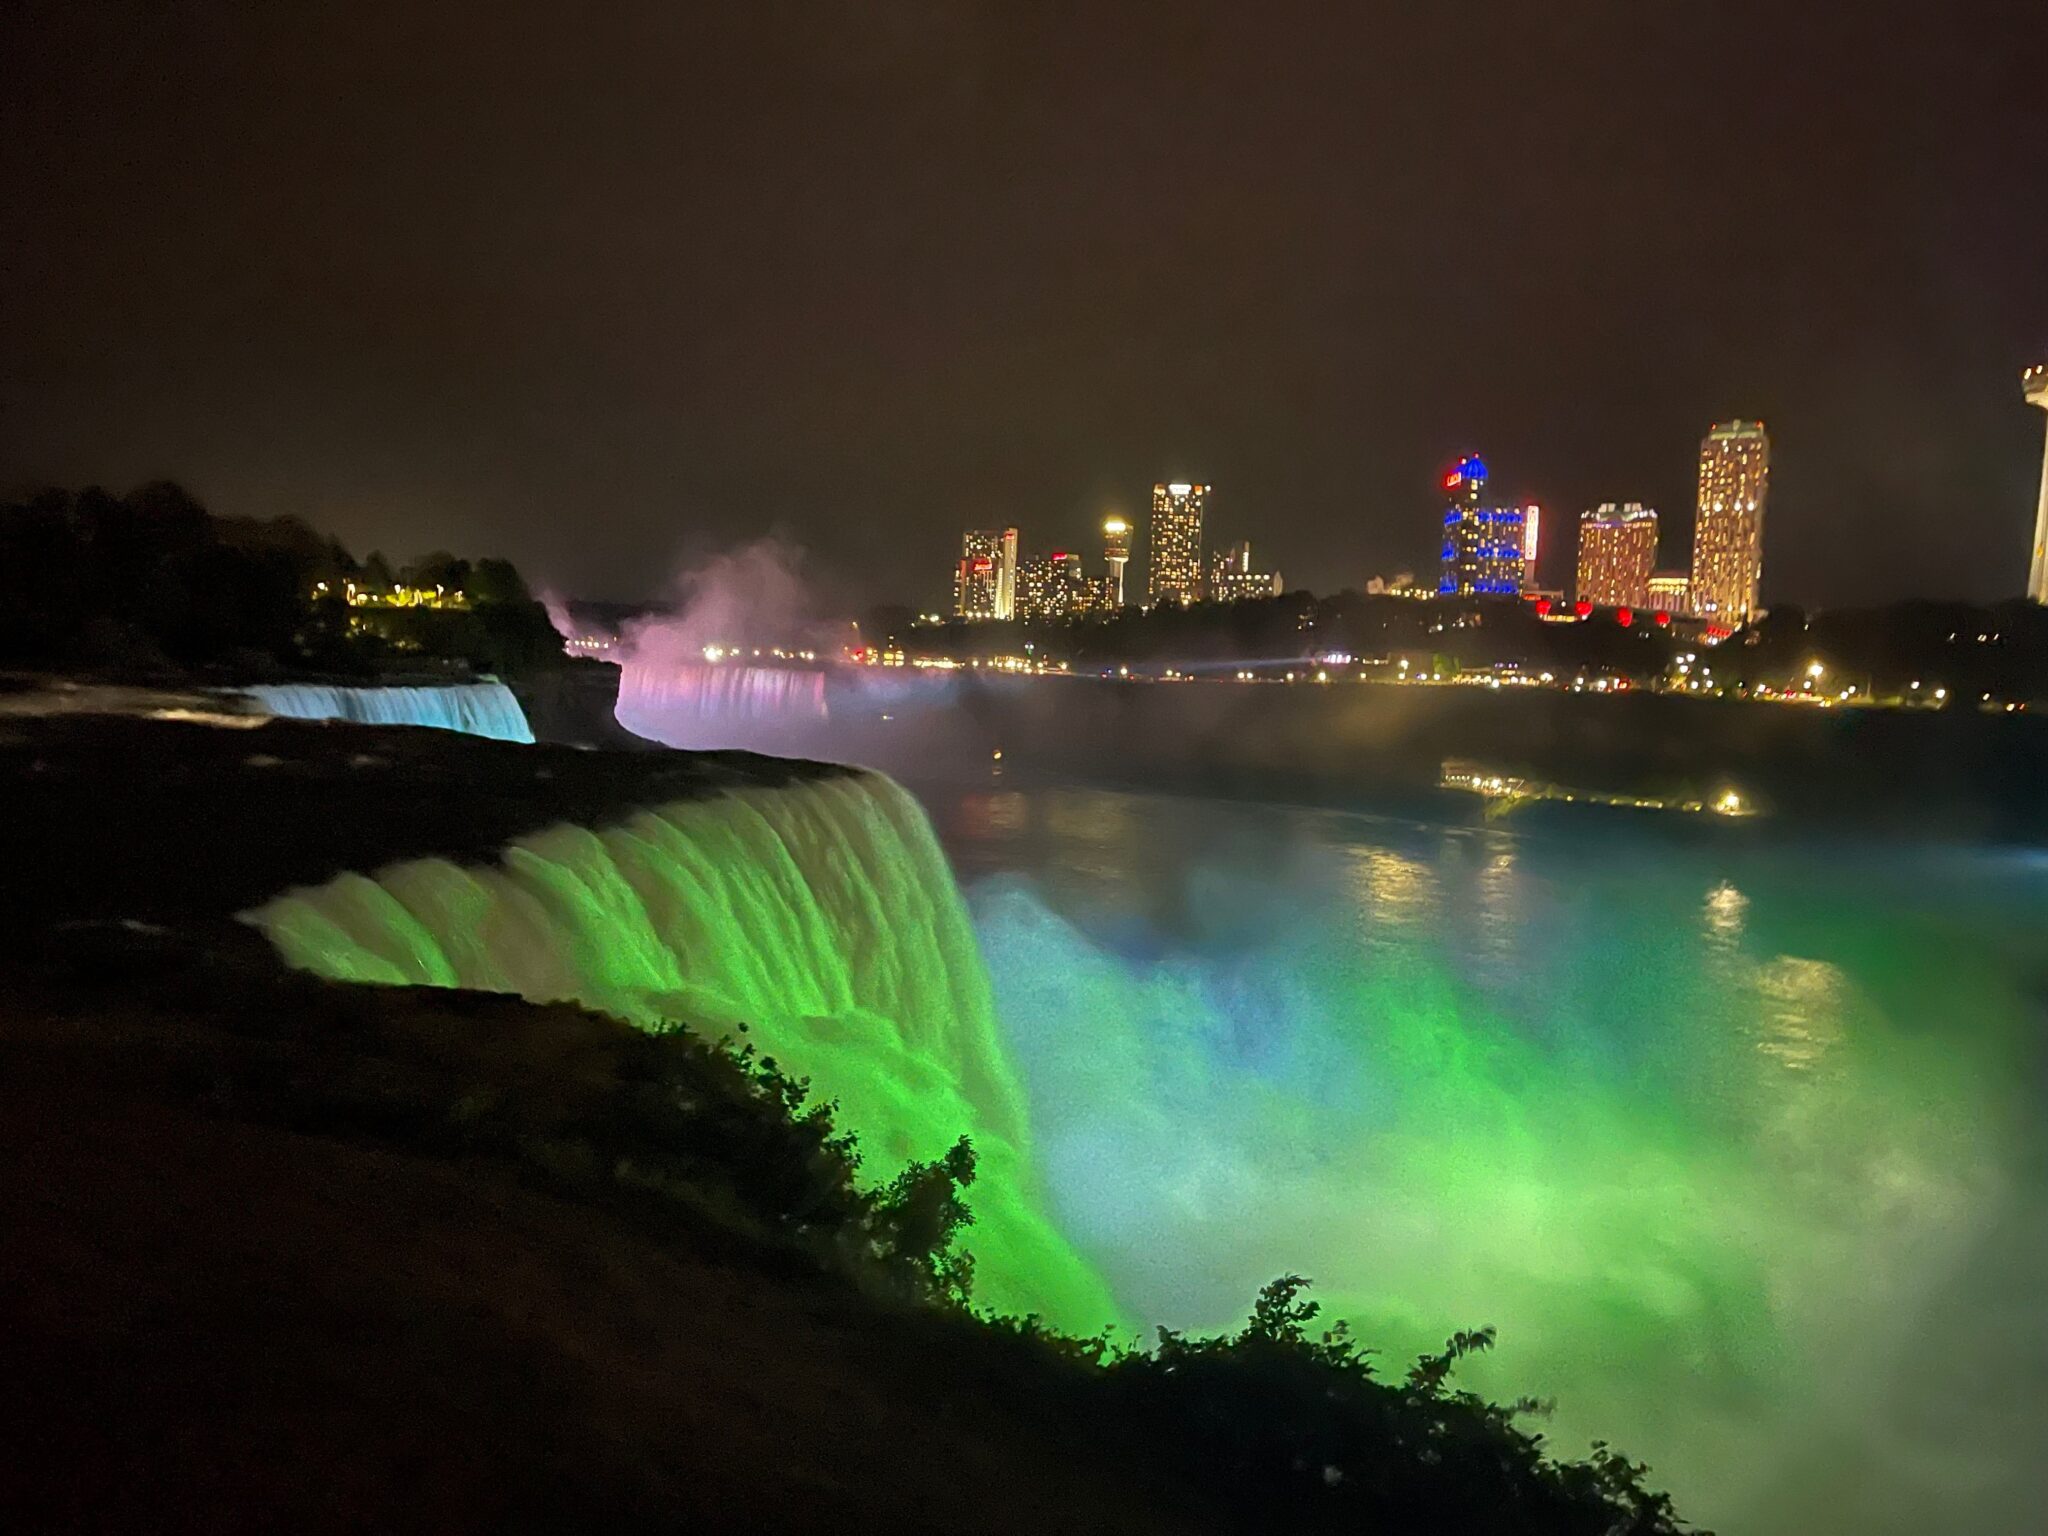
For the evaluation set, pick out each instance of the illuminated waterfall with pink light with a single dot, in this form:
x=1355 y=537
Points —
x=709 y=705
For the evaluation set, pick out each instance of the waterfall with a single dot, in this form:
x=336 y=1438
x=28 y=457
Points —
x=698 y=706
x=476 y=709
x=823 y=916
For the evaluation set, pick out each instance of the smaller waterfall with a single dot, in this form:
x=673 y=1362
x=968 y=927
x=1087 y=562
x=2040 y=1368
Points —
x=475 y=709
x=707 y=705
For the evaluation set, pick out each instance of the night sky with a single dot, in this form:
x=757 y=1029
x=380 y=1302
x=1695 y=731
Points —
x=607 y=294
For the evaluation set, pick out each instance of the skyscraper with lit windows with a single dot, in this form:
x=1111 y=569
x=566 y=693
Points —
x=985 y=581
x=1617 y=555
x=1483 y=551
x=1232 y=577
x=1728 y=536
x=1052 y=587
x=1175 y=574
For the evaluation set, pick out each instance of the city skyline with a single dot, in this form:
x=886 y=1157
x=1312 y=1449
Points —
x=952 y=270
x=1494 y=550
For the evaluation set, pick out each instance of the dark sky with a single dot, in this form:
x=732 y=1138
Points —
x=598 y=287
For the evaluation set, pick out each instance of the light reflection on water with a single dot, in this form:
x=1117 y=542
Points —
x=1724 y=1139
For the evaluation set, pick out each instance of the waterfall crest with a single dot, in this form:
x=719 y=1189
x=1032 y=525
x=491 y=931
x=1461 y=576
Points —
x=697 y=706
x=822 y=916
x=476 y=709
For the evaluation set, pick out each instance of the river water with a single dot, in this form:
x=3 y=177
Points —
x=1739 y=1145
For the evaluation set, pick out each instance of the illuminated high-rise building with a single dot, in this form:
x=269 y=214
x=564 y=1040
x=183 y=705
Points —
x=1232 y=579
x=1532 y=524
x=1116 y=553
x=1176 y=544
x=1728 y=536
x=1671 y=592
x=1483 y=546
x=985 y=582
x=1052 y=587
x=1617 y=555
x=2035 y=382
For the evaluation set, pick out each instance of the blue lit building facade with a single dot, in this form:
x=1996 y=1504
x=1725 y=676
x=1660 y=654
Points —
x=1483 y=551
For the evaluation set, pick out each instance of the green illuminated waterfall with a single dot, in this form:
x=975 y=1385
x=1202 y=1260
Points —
x=821 y=916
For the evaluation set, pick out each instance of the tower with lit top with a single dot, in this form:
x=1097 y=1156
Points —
x=1116 y=554
x=2035 y=382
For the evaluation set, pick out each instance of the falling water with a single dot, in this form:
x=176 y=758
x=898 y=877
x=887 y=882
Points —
x=823 y=917
x=706 y=705
x=476 y=709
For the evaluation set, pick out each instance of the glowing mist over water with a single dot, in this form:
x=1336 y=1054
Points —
x=1738 y=1152
x=702 y=705
x=822 y=916
x=475 y=709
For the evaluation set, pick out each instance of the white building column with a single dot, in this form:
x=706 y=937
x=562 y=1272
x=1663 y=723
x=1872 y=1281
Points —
x=2035 y=382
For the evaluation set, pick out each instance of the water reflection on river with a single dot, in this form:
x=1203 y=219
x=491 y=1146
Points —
x=1740 y=1147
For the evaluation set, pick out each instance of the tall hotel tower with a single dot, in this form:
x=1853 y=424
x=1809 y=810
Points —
x=1116 y=554
x=1617 y=554
x=1483 y=550
x=985 y=583
x=2035 y=382
x=1728 y=538
x=1176 y=574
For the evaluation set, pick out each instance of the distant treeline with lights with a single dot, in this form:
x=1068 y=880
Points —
x=1962 y=650
x=151 y=585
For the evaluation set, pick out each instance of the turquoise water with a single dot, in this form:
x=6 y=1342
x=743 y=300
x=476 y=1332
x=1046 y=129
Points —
x=486 y=709
x=1739 y=1146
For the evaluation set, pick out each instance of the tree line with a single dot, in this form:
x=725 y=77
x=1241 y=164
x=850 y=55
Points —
x=150 y=585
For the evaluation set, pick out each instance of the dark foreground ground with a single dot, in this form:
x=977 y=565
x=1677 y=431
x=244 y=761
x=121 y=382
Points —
x=220 y=1321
